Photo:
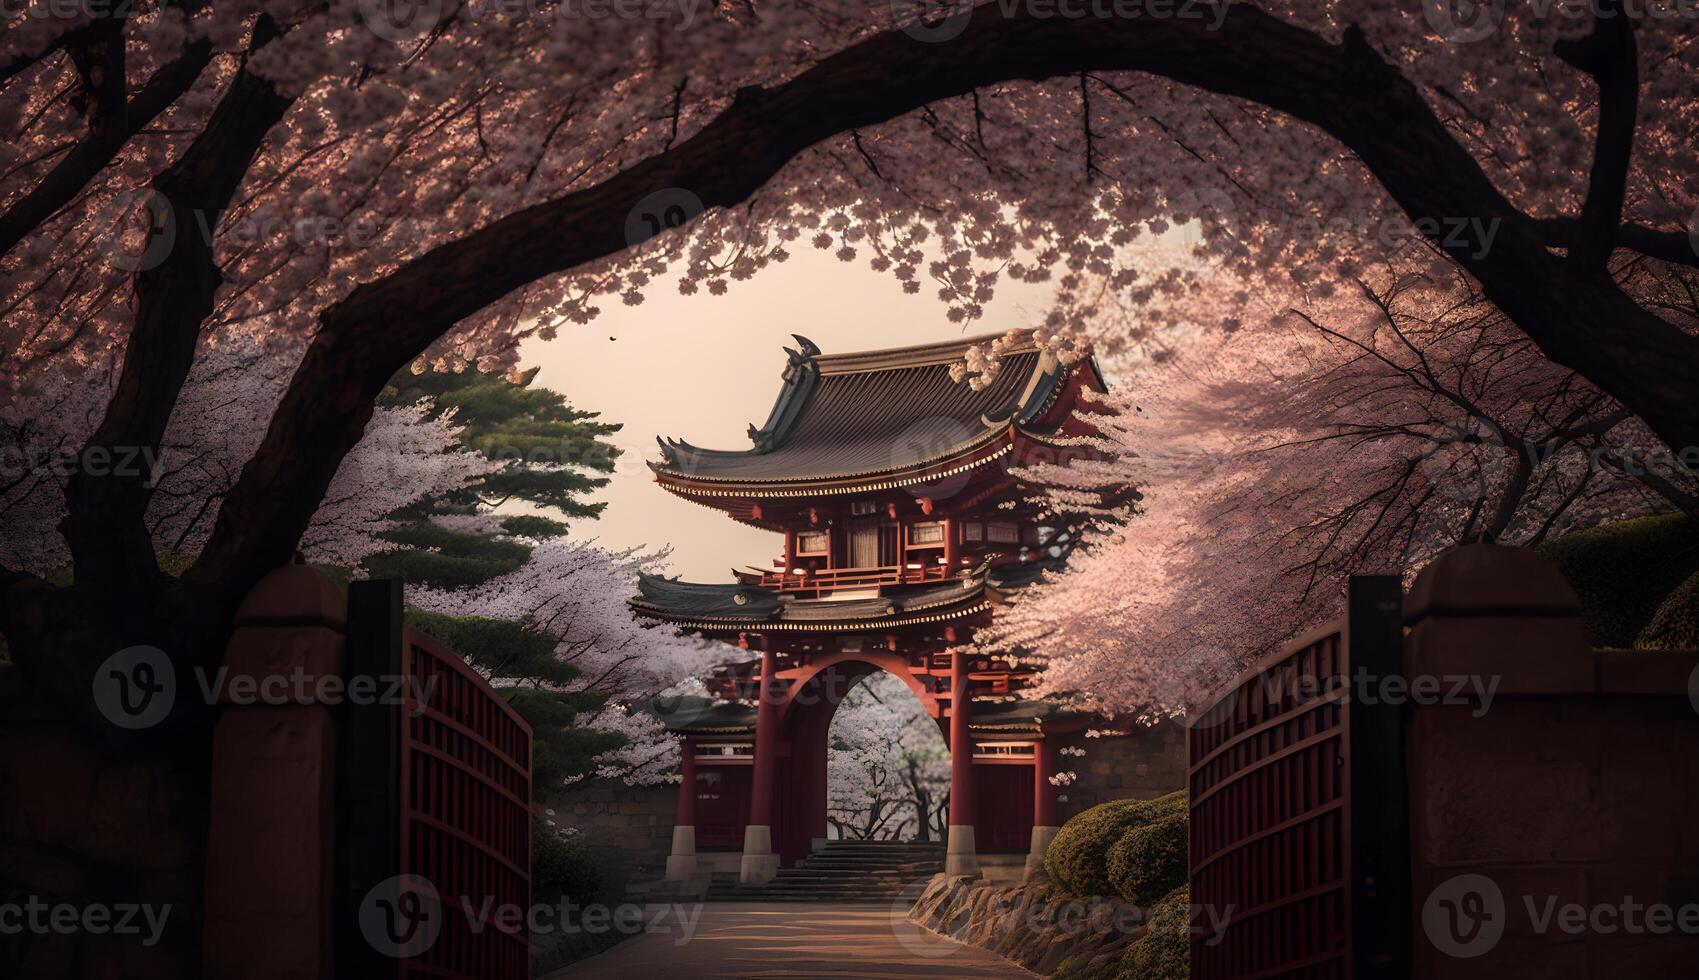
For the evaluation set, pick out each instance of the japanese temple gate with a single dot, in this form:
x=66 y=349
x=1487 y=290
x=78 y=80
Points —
x=904 y=526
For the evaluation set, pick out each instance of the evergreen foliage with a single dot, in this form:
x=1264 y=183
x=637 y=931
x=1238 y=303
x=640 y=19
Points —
x=1623 y=571
x=1149 y=861
x=1078 y=859
x=551 y=452
x=552 y=456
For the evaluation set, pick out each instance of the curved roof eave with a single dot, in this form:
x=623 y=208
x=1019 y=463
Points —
x=865 y=408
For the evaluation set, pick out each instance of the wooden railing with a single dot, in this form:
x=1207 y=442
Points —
x=838 y=579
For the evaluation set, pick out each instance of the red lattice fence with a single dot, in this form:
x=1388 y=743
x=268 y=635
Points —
x=1297 y=809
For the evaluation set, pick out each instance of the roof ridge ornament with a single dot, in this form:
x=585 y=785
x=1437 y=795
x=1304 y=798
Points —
x=800 y=376
x=799 y=359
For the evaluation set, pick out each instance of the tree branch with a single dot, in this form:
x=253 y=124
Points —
x=105 y=525
x=1686 y=502
x=1347 y=90
x=1610 y=55
x=91 y=155
x=1674 y=247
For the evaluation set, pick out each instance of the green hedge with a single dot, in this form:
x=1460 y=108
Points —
x=1624 y=570
x=1164 y=952
x=561 y=868
x=1149 y=861
x=1078 y=859
x=1675 y=626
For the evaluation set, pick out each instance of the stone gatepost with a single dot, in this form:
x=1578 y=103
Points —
x=1544 y=776
x=271 y=856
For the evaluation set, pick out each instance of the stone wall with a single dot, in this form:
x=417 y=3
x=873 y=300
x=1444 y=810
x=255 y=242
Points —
x=86 y=832
x=628 y=828
x=1147 y=764
x=1549 y=822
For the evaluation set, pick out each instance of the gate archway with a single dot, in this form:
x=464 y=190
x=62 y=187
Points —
x=803 y=808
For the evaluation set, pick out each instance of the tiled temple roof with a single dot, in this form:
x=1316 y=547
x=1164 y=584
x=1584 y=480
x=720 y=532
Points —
x=715 y=716
x=865 y=414
x=696 y=605
x=733 y=605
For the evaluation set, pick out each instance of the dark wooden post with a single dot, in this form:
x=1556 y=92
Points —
x=369 y=821
x=1380 y=810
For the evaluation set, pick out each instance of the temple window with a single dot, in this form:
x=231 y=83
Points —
x=930 y=532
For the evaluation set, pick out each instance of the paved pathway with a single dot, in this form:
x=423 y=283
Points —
x=802 y=939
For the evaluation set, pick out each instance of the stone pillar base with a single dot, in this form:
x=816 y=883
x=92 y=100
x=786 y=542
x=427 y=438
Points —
x=961 y=857
x=681 y=863
x=1041 y=838
x=760 y=864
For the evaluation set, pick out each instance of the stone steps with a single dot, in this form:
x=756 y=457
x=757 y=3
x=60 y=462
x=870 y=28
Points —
x=841 y=871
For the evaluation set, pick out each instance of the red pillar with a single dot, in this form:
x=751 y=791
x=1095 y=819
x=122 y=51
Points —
x=1044 y=819
x=1043 y=791
x=961 y=857
x=681 y=863
x=766 y=720
x=686 y=785
x=760 y=862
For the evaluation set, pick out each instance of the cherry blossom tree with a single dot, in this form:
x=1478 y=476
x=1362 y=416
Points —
x=436 y=188
x=430 y=189
x=593 y=659
x=1382 y=428
x=406 y=455
x=887 y=769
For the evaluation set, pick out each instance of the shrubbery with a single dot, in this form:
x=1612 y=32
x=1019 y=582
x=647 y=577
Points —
x=1675 y=626
x=1149 y=861
x=560 y=867
x=1164 y=952
x=1623 y=571
x=1078 y=859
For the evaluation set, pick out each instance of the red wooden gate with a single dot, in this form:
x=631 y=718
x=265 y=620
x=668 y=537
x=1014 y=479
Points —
x=465 y=812
x=1297 y=838
x=434 y=809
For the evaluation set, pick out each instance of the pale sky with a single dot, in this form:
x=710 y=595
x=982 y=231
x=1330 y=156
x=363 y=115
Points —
x=702 y=368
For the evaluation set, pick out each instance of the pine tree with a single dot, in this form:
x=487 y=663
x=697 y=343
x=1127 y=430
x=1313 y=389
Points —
x=553 y=457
